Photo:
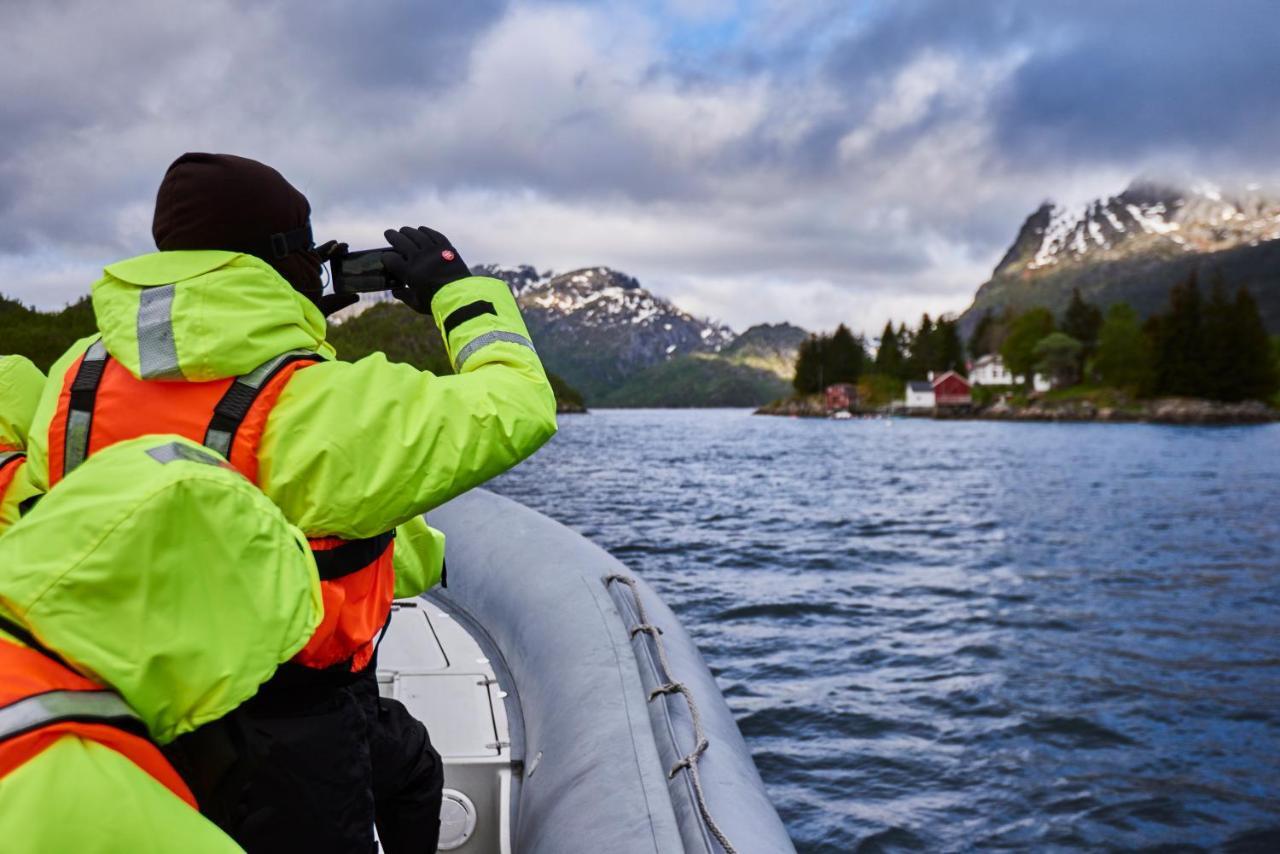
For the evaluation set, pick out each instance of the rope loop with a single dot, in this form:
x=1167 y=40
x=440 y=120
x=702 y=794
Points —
x=671 y=686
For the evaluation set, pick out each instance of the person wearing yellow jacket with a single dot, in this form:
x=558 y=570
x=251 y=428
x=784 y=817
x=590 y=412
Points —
x=20 y=385
x=110 y=643
x=220 y=337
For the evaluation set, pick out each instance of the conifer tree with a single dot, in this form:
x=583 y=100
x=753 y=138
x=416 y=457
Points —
x=1221 y=346
x=1124 y=357
x=1178 y=343
x=921 y=359
x=948 y=352
x=1256 y=375
x=844 y=357
x=1018 y=349
x=1057 y=356
x=809 y=365
x=889 y=353
x=1082 y=321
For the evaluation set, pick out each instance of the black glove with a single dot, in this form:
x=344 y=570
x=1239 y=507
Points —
x=329 y=303
x=423 y=261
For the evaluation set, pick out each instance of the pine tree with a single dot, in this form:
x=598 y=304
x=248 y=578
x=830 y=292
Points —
x=1018 y=349
x=1256 y=375
x=1082 y=321
x=948 y=352
x=1057 y=356
x=809 y=365
x=844 y=357
x=1124 y=357
x=921 y=359
x=889 y=353
x=1221 y=346
x=1178 y=343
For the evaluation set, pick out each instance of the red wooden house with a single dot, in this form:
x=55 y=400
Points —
x=951 y=389
x=841 y=396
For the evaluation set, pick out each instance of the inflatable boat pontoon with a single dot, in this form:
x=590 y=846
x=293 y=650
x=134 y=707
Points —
x=573 y=712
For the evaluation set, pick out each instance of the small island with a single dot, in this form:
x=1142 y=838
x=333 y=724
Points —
x=1200 y=361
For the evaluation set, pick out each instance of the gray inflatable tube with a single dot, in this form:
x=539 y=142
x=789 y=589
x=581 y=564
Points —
x=605 y=711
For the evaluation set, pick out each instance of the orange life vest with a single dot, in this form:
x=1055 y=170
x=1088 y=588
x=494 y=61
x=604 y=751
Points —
x=101 y=403
x=10 y=461
x=42 y=700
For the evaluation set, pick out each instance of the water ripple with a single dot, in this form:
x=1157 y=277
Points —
x=964 y=636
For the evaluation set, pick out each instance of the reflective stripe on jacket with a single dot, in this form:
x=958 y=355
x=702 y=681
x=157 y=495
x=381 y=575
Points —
x=42 y=701
x=102 y=403
x=350 y=449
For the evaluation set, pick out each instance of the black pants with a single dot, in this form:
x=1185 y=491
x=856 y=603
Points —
x=328 y=764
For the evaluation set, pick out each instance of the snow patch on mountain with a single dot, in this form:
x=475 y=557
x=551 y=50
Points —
x=1146 y=217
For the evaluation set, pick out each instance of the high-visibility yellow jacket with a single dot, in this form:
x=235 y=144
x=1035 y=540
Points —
x=349 y=450
x=161 y=574
x=20 y=385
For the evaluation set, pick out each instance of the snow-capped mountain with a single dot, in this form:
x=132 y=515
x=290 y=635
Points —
x=521 y=278
x=1145 y=217
x=1135 y=245
x=597 y=326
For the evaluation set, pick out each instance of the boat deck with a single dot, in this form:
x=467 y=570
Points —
x=433 y=665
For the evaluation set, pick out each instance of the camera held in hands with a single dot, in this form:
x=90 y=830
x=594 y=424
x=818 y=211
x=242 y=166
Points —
x=360 y=272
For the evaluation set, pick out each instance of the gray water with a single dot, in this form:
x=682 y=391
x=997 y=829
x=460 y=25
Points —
x=953 y=636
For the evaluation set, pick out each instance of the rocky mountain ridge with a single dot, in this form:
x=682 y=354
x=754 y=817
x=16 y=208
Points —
x=1135 y=245
x=598 y=327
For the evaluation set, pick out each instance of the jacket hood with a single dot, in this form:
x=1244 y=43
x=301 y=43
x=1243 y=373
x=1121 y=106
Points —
x=201 y=315
x=158 y=569
x=20 y=385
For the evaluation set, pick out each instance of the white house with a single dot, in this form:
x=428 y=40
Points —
x=990 y=370
x=919 y=395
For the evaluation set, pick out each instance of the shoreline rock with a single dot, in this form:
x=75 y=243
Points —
x=1169 y=410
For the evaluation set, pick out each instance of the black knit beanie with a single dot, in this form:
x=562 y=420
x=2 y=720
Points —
x=220 y=201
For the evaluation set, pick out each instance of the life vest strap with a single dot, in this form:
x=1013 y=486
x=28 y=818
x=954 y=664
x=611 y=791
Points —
x=84 y=392
x=52 y=707
x=238 y=399
x=8 y=457
x=350 y=557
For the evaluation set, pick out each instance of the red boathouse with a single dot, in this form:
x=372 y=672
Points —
x=951 y=389
x=841 y=396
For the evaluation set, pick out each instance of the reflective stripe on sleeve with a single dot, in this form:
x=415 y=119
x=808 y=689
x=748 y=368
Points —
x=485 y=340
x=56 y=706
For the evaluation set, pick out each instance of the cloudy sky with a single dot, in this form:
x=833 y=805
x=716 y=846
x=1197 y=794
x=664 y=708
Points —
x=754 y=160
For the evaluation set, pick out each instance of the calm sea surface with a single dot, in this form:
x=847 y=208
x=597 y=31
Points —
x=954 y=636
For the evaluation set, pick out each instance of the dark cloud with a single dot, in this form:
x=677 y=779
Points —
x=881 y=153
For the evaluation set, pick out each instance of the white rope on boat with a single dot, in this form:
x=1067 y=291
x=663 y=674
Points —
x=688 y=762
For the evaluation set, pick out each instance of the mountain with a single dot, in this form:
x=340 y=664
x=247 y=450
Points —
x=1135 y=246
x=612 y=339
x=598 y=328
x=755 y=368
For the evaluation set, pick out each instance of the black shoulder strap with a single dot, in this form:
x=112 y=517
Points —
x=84 y=392
x=235 y=404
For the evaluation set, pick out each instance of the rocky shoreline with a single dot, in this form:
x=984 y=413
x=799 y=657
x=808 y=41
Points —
x=1174 y=410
